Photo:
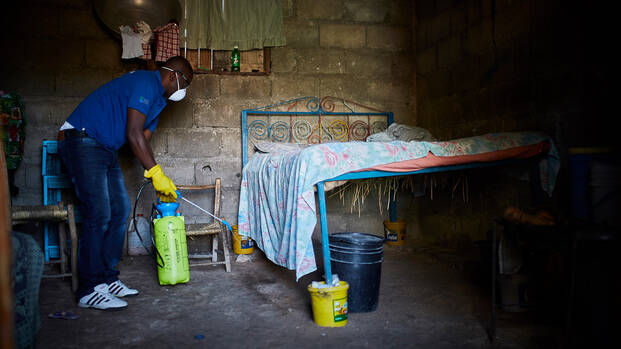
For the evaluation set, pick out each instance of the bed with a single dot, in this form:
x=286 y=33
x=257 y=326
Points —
x=277 y=207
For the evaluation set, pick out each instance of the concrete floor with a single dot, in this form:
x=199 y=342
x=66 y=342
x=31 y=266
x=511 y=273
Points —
x=427 y=300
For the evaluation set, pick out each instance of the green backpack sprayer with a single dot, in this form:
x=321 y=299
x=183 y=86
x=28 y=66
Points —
x=170 y=245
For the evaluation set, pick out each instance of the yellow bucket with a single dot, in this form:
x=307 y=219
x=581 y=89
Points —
x=241 y=245
x=394 y=232
x=329 y=304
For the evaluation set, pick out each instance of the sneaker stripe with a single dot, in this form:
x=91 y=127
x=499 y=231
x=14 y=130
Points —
x=115 y=289
x=102 y=299
x=89 y=301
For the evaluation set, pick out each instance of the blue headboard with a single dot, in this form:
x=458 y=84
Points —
x=311 y=120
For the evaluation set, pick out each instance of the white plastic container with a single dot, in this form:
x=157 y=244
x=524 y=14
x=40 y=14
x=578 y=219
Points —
x=134 y=246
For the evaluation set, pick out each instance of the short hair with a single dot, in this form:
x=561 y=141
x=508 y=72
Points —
x=180 y=63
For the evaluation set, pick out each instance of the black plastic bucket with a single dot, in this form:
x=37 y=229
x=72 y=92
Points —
x=357 y=259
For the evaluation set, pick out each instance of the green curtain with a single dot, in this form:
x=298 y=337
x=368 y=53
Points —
x=222 y=24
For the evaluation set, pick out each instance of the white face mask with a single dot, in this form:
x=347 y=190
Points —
x=180 y=93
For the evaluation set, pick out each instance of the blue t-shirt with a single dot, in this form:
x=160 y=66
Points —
x=103 y=114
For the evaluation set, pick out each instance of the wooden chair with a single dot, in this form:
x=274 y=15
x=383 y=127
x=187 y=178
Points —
x=215 y=229
x=62 y=215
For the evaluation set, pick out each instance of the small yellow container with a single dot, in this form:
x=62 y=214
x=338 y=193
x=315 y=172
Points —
x=329 y=304
x=394 y=232
x=242 y=245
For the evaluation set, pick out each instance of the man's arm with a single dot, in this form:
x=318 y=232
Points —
x=138 y=138
x=147 y=134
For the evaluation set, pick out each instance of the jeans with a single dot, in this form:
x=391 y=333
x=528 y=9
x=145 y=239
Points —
x=104 y=206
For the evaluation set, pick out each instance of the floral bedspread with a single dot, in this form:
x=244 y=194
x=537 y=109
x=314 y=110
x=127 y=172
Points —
x=277 y=201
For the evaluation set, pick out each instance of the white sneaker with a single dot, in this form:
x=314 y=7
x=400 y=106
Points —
x=101 y=299
x=119 y=289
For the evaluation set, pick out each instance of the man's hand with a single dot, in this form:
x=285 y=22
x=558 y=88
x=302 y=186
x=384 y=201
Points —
x=162 y=184
x=165 y=198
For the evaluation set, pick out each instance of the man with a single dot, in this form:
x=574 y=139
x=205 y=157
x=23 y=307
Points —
x=125 y=109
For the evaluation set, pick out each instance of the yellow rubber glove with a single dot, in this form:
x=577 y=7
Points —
x=165 y=198
x=162 y=184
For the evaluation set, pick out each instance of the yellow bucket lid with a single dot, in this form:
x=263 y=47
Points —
x=343 y=286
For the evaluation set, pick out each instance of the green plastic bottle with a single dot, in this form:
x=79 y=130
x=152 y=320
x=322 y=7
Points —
x=235 y=55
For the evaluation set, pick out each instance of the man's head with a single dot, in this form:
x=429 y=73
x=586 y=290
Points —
x=176 y=76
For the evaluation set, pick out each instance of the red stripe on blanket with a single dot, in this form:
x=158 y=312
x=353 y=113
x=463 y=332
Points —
x=432 y=160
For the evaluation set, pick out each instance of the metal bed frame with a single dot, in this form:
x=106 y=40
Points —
x=322 y=108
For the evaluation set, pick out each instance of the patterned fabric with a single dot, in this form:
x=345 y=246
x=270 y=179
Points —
x=277 y=201
x=146 y=48
x=144 y=30
x=13 y=125
x=27 y=272
x=166 y=42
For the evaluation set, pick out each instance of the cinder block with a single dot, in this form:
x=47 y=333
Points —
x=342 y=35
x=204 y=86
x=104 y=54
x=246 y=86
x=369 y=64
x=177 y=114
x=20 y=175
x=48 y=111
x=82 y=24
x=38 y=55
x=366 y=11
x=62 y=108
x=179 y=170
x=513 y=22
x=284 y=60
x=204 y=199
x=440 y=27
x=231 y=142
x=39 y=110
x=403 y=111
x=28 y=82
x=33 y=177
x=291 y=86
x=421 y=35
x=465 y=75
x=227 y=169
x=81 y=83
x=217 y=112
x=17 y=49
x=389 y=90
x=425 y=10
x=28 y=196
x=348 y=88
x=322 y=61
x=403 y=65
x=478 y=40
x=458 y=20
x=476 y=11
x=184 y=143
x=230 y=205
x=400 y=12
x=42 y=21
x=320 y=9
x=449 y=51
x=389 y=38
x=159 y=142
x=302 y=33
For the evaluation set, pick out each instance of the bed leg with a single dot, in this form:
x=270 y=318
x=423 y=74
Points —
x=393 y=207
x=325 y=244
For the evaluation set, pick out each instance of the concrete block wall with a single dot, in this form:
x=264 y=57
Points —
x=503 y=65
x=360 y=50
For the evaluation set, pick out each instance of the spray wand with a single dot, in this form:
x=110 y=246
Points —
x=179 y=196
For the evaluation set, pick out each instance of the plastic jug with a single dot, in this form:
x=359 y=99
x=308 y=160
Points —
x=172 y=249
x=136 y=247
